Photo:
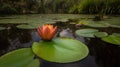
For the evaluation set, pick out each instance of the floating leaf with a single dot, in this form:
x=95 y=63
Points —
x=113 y=39
x=26 y=27
x=116 y=34
x=115 y=26
x=100 y=34
x=2 y=28
x=34 y=63
x=19 y=58
x=61 y=50
x=97 y=24
x=62 y=20
x=86 y=32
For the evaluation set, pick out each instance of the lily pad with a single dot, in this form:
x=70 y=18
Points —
x=62 y=20
x=26 y=27
x=2 y=28
x=86 y=32
x=113 y=39
x=97 y=24
x=116 y=34
x=115 y=26
x=19 y=58
x=100 y=34
x=60 y=50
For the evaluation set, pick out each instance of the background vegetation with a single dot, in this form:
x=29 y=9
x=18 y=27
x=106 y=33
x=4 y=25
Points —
x=59 y=6
x=97 y=6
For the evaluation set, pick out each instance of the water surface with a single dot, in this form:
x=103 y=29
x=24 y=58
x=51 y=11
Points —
x=101 y=54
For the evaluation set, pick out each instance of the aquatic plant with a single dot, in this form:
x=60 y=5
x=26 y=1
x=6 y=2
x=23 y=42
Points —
x=96 y=6
x=113 y=39
x=60 y=50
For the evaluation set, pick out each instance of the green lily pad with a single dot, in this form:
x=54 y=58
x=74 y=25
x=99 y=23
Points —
x=116 y=34
x=100 y=34
x=34 y=63
x=19 y=58
x=2 y=28
x=113 y=39
x=61 y=50
x=62 y=20
x=86 y=32
x=97 y=24
x=115 y=26
x=26 y=27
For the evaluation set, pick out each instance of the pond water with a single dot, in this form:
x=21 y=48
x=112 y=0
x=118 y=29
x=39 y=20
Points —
x=101 y=54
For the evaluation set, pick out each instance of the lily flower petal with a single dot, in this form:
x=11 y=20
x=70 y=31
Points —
x=47 y=32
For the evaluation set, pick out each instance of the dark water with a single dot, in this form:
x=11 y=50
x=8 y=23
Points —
x=101 y=54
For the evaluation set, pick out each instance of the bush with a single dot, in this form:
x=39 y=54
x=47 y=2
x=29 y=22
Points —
x=7 y=9
x=97 y=6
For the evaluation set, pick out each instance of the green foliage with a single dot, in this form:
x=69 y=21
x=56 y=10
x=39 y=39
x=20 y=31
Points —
x=56 y=6
x=18 y=6
x=61 y=50
x=19 y=58
x=97 y=6
x=61 y=6
x=7 y=9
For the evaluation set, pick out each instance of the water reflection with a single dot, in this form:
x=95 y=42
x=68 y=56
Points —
x=87 y=62
x=106 y=55
x=4 y=43
x=101 y=54
x=13 y=38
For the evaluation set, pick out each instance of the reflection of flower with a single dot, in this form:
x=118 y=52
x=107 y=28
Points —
x=47 y=32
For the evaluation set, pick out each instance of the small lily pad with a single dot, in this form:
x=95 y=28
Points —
x=62 y=20
x=86 y=32
x=115 y=26
x=2 y=28
x=97 y=24
x=113 y=39
x=19 y=58
x=26 y=27
x=116 y=34
x=100 y=34
x=60 y=50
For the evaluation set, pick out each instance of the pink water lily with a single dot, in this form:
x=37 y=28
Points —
x=47 y=31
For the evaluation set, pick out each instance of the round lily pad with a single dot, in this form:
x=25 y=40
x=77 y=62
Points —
x=19 y=58
x=86 y=32
x=97 y=24
x=60 y=50
x=2 y=28
x=100 y=34
x=113 y=39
